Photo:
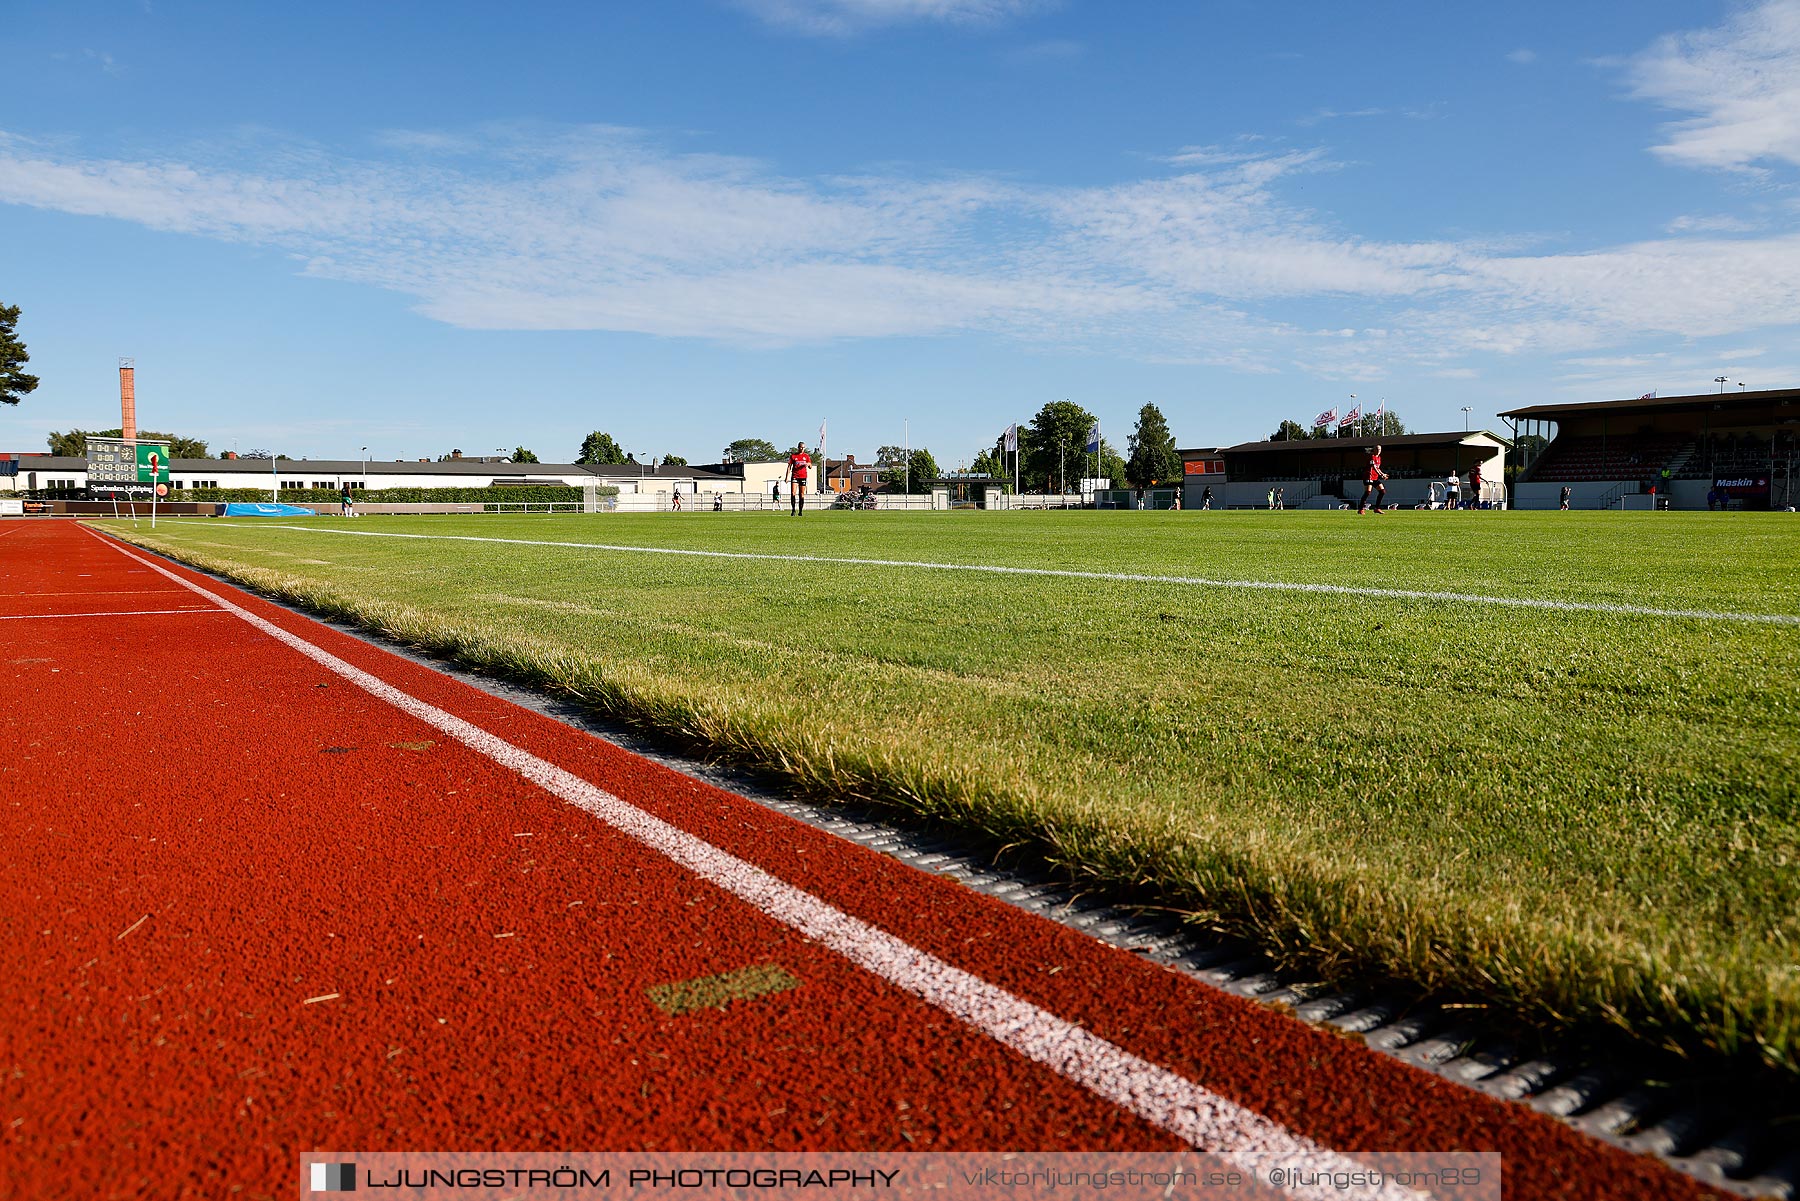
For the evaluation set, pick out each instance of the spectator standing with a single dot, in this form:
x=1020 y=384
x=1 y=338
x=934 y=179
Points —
x=1475 y=486
x=1565 y=498
x=1452 y=491
x=1206 y=497
x=718 y=502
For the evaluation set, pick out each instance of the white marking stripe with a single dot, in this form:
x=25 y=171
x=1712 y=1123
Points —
x=124 y=592
x=1519 y=602
x=1157 y=1095
x=116 y=613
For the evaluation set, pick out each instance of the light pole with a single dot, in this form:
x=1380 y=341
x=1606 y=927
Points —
x=365 y=468
x=1466 y=410
x=1721 y=381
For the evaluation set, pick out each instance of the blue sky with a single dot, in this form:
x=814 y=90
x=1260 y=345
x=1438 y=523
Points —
x=416 y=227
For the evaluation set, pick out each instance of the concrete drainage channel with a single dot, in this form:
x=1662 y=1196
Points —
x=1733 y=1150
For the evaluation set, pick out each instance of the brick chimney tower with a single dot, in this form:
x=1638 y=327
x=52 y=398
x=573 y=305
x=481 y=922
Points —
x=127 y=398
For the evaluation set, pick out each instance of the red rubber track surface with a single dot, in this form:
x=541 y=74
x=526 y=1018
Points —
x=204 y=829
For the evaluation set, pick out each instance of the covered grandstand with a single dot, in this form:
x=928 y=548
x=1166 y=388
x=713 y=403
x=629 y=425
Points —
x=1738 y=448
x=1327 y=472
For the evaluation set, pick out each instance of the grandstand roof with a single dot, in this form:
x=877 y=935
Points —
x=1709 y=400
x=1420 y=441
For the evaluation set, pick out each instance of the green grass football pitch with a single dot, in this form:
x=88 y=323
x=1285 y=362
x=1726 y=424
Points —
x=1586 y=807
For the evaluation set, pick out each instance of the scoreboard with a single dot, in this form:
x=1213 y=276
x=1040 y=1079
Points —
x=127 y=467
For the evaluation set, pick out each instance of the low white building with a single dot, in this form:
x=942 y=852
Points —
x=31 y=473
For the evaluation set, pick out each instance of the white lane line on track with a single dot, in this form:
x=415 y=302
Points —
x=115 y=613
x=127 y=592
x=1472 y=598
x=1159 y=1096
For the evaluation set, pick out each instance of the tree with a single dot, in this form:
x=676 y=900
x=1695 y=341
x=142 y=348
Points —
x=600 y=448
x=988 y=462
x=1291 y=431
x=1152 y=446
x=752 y=450
x=1390 y=426
x=674 y=461
x=14 y=383
x=1058 y=443
x=522 y=455
x=74 y=443
x=918 y=480
x=887 y=456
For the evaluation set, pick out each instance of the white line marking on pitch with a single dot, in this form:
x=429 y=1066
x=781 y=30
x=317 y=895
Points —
x=1178 y=1105
x=1475 y=598
x=130 y=613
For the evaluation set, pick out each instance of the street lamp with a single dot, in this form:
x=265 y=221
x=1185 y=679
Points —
x=1720 y=380
x=365 y=468
x=1466 y=410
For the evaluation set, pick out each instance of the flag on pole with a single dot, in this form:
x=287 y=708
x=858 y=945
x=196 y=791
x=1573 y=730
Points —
x=1380 y=410
x=1093 y=439
x=1648 y=396
x=1352 y=416
x=1012 y=438
x=1327 y=418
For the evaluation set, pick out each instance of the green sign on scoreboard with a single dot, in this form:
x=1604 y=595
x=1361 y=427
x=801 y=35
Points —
x=152 y=463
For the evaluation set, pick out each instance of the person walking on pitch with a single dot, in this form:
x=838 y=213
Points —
x=1375 y=482
x=798 y=468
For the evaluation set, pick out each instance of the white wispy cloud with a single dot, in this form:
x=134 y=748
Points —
x=1742 y=80
x=1716 y=223
x=1521 y=56
x=1202 y=261
x=839 y=18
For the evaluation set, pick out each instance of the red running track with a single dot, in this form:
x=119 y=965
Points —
x=208 y=831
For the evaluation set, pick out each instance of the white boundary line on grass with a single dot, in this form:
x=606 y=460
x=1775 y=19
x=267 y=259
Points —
x=1186 y=1109
x=1475 y=598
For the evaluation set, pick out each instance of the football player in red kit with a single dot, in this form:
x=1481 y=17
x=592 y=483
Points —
x=798 y=468
x=1375 y=482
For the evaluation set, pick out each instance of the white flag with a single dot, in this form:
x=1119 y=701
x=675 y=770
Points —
x=1012 y=438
